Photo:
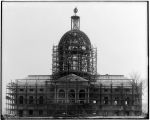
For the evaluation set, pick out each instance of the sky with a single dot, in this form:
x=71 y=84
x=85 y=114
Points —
x=30 y=29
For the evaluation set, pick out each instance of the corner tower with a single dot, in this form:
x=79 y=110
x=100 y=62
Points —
x=74 y=53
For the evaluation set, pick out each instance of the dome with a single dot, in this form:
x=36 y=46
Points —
x=75 y=38
x=74 y=51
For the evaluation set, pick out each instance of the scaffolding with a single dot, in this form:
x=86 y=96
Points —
x=81 y=64
x=55 y=60
x=70 y=97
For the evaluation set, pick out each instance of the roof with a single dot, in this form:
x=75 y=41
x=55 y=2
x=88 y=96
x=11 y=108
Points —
x=105 y=80
x=107 y=76
x=114 y=80
x=38 y=77
x=34 y=80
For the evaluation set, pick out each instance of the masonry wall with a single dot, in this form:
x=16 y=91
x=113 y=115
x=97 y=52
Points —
x=102 y=101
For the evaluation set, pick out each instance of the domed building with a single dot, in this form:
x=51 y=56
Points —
x=75 y=88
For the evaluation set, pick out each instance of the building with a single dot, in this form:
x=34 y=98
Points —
x=74 y=88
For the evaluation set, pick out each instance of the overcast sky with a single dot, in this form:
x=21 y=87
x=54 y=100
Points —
x=118 y=30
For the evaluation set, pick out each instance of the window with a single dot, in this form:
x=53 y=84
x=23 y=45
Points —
x=105 y=90
x=41 y=100
x=105 y=114
x=30 y=99
x=71 y=96
x=74 y=57
x=21 y=89
x=40 y=112
x=83 y=48
x=137 y=100
x=61 y=94
x=105 y=100
x=82 y=94
x=127 y=113
x=69 y=48
x=116 y=101
x=74 y=65
x=117 y=113
x=127 y=90
x=31 y=89
x=30 y=112
x=21 y=99
x=116 y=89
x=127 y=101
x=94 y=101
x=41 y=89
x=20 y=113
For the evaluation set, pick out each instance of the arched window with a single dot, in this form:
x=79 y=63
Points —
x=105 y=100
x=61 y=94
x=41 y=100
x=116 y=100
x=82 y=94
x=127 y=101
x=71 y=96
x=30 y=99
x=21 y=99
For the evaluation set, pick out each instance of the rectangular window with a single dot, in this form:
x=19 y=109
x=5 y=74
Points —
x=21 y=89
x=30 y=112
x=127 y=90
x=21 y=99
x=31 y=89
x=41 y=100
x=41 y=89
x=40 y=112
x=106 y=100
x=30 y=99
x=20 y=113
x=115 y=102
x=116 y=90
x=105 y=90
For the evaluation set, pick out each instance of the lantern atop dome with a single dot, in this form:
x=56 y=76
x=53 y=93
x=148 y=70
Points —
x=75 y=21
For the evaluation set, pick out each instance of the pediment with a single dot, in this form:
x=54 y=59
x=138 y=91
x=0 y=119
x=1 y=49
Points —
x=72 y=78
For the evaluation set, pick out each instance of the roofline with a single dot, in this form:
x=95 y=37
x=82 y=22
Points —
x=39 y=75
x=110 y=75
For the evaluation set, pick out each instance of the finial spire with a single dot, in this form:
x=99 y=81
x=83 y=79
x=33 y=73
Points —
x=75 y=20
x=75 y=10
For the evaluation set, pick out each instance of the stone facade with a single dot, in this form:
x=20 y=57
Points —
x=74 y=95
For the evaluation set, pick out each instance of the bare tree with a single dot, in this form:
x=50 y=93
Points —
x=143 y=83
x=137 y=80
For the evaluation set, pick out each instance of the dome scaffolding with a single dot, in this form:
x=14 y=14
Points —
x=81 y=63
x=74 y=53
